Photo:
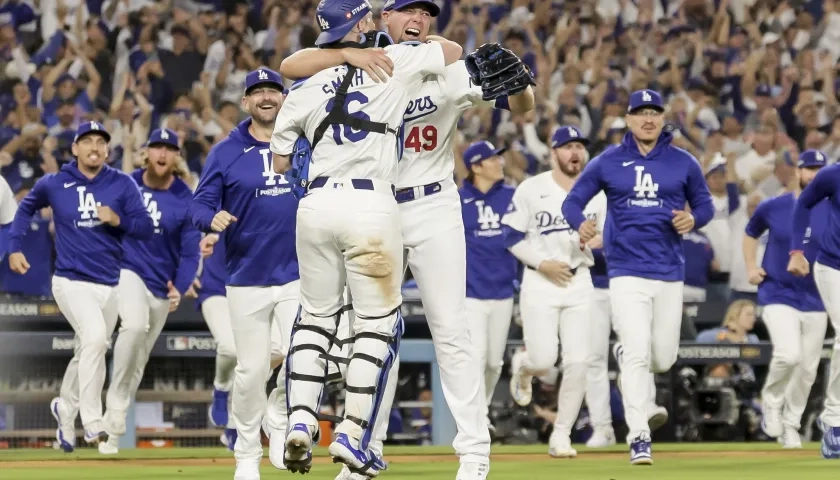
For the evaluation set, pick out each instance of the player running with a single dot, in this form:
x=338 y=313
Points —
x=430 y=209
x=491 y=269
x=155 y=273
x=94 y=208
x=349 y=227
x=647 y=182
x=241 y=197
x=556 y=296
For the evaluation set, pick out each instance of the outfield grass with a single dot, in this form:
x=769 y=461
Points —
x=759 y=461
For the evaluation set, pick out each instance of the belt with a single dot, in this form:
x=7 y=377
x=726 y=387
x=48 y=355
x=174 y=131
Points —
x=574 y=270
x=404 y=195
x=356 y=183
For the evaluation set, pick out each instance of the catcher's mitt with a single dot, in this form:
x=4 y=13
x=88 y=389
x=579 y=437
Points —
x=498 y=70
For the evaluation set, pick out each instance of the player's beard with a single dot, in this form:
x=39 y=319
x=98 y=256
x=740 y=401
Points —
x=570 y=169
x=265 y=118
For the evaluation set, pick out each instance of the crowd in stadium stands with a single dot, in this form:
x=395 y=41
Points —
x=749 y=84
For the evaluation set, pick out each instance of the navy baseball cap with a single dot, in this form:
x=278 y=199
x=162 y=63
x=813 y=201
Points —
x=479 y=151
x=164 y=136
x=337 y=17
x=811 y=159
x=564 y=135
x=645 y=99
x=90 y=128
x=263 y=76
x=433 y=7
x=763 y=90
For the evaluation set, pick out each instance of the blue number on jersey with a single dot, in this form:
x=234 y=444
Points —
x=349 y=134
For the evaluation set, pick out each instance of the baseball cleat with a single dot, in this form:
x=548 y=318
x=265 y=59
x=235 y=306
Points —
x=276 y=446
x=790 y=438
x=111 y=447
x=346 y=474
x=640 y=451
x=248 y=469
x=830 y=448
x=65 y=434
x=298 y=457
x=218 y=411
x=771 y=422
x=345 y=450
x=473 y=471
x=657 y=418
x=228 y=438
x=560 y=446
x=601 y=438
x=520 y=384
x=95 y=438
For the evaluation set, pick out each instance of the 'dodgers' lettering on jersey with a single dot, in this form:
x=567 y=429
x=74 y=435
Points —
x=549 y=223
x=419 y=108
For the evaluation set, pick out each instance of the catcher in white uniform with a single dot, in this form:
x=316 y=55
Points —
x=557 y=291
x=348 y=228
x=432 y=226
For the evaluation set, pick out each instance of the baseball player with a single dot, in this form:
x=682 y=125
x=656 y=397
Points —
x=8 y=207
x=348 y=227
x=647 y=182
x=491 y=269
x=556 y=295
x=240 y=196
x=432 y=226
x=94 y=208
x=155 y=273
x=822 y=193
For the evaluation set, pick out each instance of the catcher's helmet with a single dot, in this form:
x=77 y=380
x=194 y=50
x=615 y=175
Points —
x=337 y=17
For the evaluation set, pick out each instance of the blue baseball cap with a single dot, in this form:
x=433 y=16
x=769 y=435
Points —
x=164 y=136
x=479 y=151
x=337 y=17
x=645 y=99
x=763 y=90
x=263 y=76
x=434 y=9
x=90 y=128
x=564 y=135
x=811 y=159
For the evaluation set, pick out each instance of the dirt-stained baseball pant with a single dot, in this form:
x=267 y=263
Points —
x=566 y=315
x=797 y=339
x=142 y=316
x=433 y=233
x=489 y=324
x=91 y=310
x=254 y=313
x=647 y=315
x=597 y=376
x=828 y=283
x=349 y=237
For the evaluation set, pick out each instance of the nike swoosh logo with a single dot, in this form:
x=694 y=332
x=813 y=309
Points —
x=249 y=149
x=544 y=196
x=68 y=185
x=468 y=200
x=624 y=164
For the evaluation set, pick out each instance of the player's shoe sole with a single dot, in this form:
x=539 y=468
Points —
x=298 y=457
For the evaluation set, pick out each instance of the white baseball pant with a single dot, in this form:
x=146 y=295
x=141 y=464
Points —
x=255 y=313
x=597 y=377
x=565 y=313
x=647 y=315
x=828 y=280
x=489 y=325
x=142 y=318
x=797 y=339
x=91 y=310
x=216 y=313
x=433 y=233
x=349 y=237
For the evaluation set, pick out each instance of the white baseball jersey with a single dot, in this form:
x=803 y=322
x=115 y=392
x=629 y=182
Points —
x=344 y=152
x=430 y=121
x=8 y=205
x=535 y=210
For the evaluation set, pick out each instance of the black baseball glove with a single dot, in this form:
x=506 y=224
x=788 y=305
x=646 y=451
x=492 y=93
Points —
x=499 y=71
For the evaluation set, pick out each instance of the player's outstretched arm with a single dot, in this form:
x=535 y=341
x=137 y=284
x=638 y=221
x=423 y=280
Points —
x=754 y=230
x=698 y=195
x=452 y=51
x=208 y=194
x=136 y=221
x=308 y=62
x=821 y=187
x=522 y=102
x=34 y=201
x=584 y=190
x=190 y=255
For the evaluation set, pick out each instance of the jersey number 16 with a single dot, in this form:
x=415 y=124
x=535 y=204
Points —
x=350 y=135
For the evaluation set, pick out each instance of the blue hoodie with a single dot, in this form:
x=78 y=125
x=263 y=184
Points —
x=239 y=178
x=86 y=249
x=642 y=191
x=826 y=185
x=213 y=275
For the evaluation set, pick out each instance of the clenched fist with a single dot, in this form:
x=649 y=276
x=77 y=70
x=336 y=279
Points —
x=756 y=275
x=221 y=221
x=683 y=221
x=587 y=231
x=18 y=263
x=798 y=264
x=207 y=243
x=108 y=216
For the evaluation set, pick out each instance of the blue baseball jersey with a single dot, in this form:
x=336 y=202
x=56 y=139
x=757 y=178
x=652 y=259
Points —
x=779 y=286
x=642 y=191
x=239 y=178
x=86 y=248
x=37 y=247
x=214 y=274
x=698 y=259
x=172 y=252
x=491 y=268
x=826 y=185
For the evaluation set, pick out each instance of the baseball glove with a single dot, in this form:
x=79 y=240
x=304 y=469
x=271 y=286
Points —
x=499 y=71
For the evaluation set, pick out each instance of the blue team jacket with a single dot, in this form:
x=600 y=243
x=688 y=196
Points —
x=826 y=185
x=642 y=191
x=239 y=177
x=86 y=249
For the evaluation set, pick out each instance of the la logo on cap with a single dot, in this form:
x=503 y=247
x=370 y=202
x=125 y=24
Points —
x=572 y=132
x=325 y=25
x=262 y=75
x=646 y=96
x=819 y=157
x=94 y=126
x=164 y=135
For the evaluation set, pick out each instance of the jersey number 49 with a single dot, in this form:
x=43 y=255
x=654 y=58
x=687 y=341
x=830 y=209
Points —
x=422 y=138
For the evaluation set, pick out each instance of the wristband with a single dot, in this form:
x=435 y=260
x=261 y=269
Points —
x=795 y=251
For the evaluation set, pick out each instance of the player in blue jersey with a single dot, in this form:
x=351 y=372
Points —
x=491 y=268
x=38 y=239
x=822 y=195
x=792 y=309
x=155 y=274
x=94 y=208
x=648 y=183
x=241 y=197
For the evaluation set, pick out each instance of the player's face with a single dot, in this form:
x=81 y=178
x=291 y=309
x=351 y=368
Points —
x=162 y=160
x=492 y=169
x=806 y=176
x=570 y=158
x=645 y=123
x=263 y=103
x=91 y=150
x=411 y=23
